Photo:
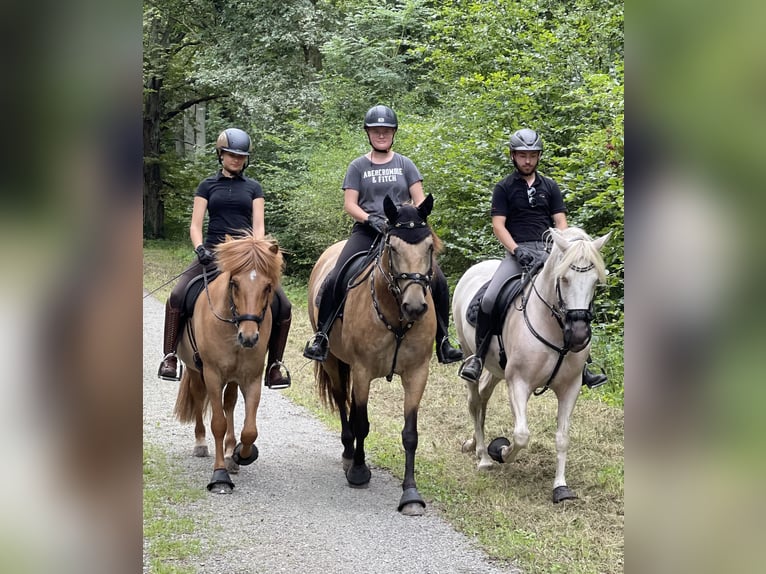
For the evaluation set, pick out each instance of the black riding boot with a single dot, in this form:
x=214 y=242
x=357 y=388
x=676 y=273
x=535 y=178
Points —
x=445 y=352
x=318 y=346
x=592 y=380
x=471 y=368
x=277 y=343
x=168 y=370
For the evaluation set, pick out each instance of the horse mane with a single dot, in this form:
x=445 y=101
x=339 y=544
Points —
x=243 y=252
x=581 y=249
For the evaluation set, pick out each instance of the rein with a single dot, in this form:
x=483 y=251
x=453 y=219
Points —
x=392 y=280
x=559 y=313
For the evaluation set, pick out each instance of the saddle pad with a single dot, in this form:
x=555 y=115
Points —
x=194 y=288
x=509 y=291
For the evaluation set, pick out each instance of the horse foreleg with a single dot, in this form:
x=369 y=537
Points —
x=566 y=400
x=220 y=482
x=230 y=395
x=411 y=503
x=358 y=475
x=246 y=452
x=518 y=393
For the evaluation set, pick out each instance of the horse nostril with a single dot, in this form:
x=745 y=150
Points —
x=247 y=342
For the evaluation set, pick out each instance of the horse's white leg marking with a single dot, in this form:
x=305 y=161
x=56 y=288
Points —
x=566 y=401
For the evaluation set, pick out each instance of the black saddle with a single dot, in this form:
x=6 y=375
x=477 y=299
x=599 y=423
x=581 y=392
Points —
x=349 y=273
x=508 y=292
x=194 y=288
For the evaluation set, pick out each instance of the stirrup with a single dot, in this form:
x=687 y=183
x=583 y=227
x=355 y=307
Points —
x=593 y=380
x=462 y=368
x=313 y=349
x=279 y=365
x=178 y=372
x=444 y=357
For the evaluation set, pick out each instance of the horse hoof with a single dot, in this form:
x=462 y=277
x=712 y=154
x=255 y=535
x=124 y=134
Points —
x=358 y=476
x=201 y=451
x=563 y=493
x=485 y=465
x=220 y=483
x=411 y=503
x=495 y=448
x=468 y=446
x=347 y=462
x=231 y=466
x=244 y=461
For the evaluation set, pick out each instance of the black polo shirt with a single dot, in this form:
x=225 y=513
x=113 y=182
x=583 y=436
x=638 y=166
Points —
x=229 y=205
x=523 y=221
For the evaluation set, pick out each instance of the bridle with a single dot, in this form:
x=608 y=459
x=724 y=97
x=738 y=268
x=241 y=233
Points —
x=236 y=318
x=564 y=317
x=393 y=280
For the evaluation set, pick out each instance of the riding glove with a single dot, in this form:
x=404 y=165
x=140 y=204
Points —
x=378 y=223
x=525 y=256
x=204 y=255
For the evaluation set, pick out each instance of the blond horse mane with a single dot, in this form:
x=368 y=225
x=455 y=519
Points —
x=244 y=252
x=581 y=249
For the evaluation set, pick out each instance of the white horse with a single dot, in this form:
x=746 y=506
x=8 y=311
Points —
x=546 y=337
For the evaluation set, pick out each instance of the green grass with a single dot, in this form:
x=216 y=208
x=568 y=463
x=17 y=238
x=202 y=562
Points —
x=169 y=535
x=508 y=511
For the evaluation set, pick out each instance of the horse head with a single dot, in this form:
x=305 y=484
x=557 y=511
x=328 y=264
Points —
x=254 y=268
x=578 y=268
x=408 y=255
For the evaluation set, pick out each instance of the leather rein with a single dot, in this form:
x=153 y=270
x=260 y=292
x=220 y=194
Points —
x=562 y=315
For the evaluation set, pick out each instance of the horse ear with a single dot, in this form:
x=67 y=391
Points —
x=559 y=240
x=274 y=248
x=390 y=209
x=424 y=209
x=601 y=241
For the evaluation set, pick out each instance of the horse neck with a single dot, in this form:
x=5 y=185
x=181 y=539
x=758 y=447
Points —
x=543 y=294
x=386 y=299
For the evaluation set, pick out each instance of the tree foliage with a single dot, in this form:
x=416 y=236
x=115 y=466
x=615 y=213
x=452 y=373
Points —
x=462 y=75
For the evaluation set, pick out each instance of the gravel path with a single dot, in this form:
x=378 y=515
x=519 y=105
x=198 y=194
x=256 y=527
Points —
x=292 y=511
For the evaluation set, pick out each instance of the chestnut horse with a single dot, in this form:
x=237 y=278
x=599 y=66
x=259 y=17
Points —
x=546 y=339
x=388 y=326
x=224 y=349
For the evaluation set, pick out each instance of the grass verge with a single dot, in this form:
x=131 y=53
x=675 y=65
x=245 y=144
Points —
x=168 y=536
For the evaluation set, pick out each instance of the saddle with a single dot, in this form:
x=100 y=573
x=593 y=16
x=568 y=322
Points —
x=348 y=275
x=193 y=289
x=508 y=292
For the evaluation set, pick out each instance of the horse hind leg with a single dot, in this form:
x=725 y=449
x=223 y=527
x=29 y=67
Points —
x=478 y=397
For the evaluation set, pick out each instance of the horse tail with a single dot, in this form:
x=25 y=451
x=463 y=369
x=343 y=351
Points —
x=333 y=395
x=184 y=409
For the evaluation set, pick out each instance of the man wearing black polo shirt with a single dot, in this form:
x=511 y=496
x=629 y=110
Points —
x=524 y=205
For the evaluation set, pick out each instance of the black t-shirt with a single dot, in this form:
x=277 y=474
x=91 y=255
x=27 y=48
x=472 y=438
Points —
x=523 y=221
x=229 y=205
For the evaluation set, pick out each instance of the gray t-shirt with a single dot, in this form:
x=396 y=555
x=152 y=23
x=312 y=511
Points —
x=374 y=181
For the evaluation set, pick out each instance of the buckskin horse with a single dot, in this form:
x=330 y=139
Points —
x=224 y=349
x=544 y=343
x=387 y=327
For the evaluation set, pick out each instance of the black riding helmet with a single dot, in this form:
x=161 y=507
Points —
x=236 y=141
x=381 y=116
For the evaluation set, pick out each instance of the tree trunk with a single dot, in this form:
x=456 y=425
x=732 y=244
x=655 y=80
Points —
x=154 y=208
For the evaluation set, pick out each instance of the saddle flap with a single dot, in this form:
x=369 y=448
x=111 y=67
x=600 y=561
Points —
x=347 y=275
x=194 y=288
x=508 y=292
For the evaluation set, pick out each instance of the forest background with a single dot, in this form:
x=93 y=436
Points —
x=462 y=75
